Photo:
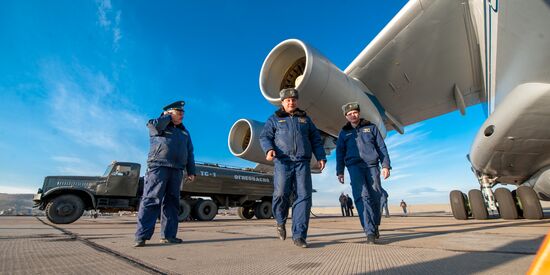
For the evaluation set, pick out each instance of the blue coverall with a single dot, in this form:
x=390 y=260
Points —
x=362 y=150
x=293 y=138
x=171 y=153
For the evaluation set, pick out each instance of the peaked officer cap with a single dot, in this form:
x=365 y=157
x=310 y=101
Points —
x=178 y=105
x=352 y=106
x=288 y=92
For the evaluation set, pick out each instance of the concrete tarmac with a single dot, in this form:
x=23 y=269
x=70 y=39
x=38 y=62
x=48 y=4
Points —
x=420 y=244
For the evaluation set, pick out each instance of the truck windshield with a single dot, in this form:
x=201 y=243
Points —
x=108 y=171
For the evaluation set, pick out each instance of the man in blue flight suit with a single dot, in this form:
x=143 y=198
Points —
x=288 y=139
x=170 y=154
x=361 y=148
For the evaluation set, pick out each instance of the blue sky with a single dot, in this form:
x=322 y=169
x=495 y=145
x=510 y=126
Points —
x=79 y=80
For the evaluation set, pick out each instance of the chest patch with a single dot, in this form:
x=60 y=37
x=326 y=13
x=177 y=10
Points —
x=302 y=120
x=282 y=120
x=366 y=130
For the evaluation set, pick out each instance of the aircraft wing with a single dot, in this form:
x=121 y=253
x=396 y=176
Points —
x=424 y=63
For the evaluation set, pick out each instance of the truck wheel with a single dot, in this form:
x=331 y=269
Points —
x=205 y=210
x=184 y=211
x=245 y=213
x=64 y=209
x=263 y=210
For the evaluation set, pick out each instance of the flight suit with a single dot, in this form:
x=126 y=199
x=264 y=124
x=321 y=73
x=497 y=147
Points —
x=171 y=152
x=362 y=150
x=293 y=138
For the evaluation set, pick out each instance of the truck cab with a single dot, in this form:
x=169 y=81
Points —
x=64 y=198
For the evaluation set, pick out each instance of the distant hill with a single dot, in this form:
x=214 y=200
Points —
x=16 y=204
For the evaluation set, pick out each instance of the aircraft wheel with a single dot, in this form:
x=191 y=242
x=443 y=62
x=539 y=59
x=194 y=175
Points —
x=245 y=213
x=530 y=203
x=64 y=209
x=458 y=205
x=263 y=210
x=506 y=204
x=205 y=210
x=479 y=210
x=184 y=210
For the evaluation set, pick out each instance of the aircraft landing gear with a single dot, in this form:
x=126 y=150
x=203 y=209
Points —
x=529 y=203
x=523 y=202
x=459 y=205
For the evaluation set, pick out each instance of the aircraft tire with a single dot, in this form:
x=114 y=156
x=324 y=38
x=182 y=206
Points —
x=205 y=210
x=245 y=213
x=506 y=204
x=479 y=210
x=64 y=209
x=458 y=205
x=184 y=210
x=530 y=203
x=263 y=210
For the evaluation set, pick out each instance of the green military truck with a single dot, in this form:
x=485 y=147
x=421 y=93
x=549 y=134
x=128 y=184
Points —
x=64 y=198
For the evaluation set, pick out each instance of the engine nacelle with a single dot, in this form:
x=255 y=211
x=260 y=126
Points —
x=244 y=140
x=323 y=88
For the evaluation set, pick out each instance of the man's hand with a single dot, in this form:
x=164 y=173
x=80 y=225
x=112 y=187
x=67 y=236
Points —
x=322 y=164
x=385 y=173
x=190 y=178
x=270 y=155
x=341 y=179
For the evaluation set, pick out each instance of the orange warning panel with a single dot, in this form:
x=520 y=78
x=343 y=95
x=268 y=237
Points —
x=541 y=263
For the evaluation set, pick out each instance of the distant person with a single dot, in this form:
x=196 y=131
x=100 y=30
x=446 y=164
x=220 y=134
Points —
x=349 y=202
x=288 y=138
x=384 y=203
x=361 y=148
x=343 y=204
x=403 y=205
x=170 y=155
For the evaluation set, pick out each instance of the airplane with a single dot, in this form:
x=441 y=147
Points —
x=432 y=58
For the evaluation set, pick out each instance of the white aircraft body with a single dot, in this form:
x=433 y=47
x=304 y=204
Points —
x=432 y=58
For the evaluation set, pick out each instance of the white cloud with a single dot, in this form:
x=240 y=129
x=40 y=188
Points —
x=106 y=15
x=85 y=109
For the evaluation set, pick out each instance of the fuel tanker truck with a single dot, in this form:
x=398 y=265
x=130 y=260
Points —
x=65 y=198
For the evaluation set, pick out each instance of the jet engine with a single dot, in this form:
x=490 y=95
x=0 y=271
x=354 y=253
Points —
x=322 y=87
x=244 y=140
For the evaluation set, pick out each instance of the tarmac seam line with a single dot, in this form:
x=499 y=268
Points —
x=103 y=249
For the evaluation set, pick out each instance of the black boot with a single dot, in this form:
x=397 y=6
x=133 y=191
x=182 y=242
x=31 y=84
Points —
x=281 y=231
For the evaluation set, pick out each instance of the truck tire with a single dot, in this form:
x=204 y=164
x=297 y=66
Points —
x=263 y=210
x=64 y=209
x=184 y=210
x=205 y=210
x=245 y=213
